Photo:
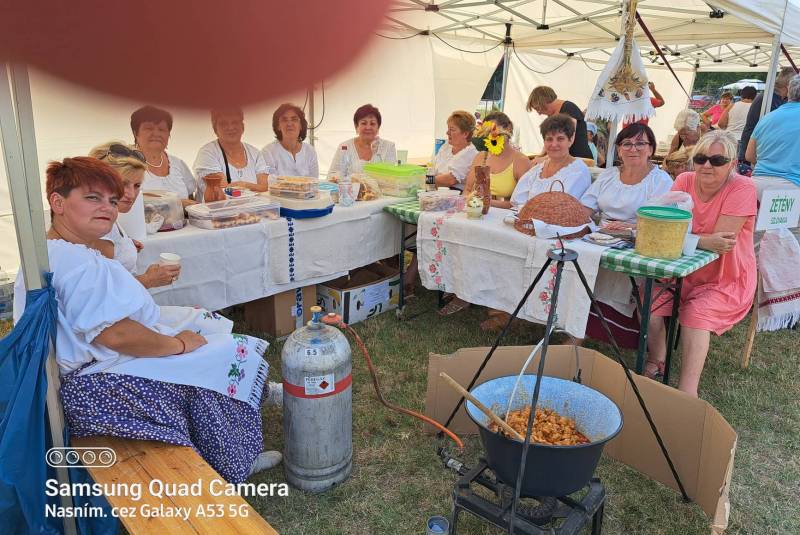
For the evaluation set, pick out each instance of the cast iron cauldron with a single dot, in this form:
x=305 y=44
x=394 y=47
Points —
x=549 y=470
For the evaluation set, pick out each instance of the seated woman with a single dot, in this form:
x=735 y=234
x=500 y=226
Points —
x=366 y=147
x=689 y=128
x=677 y=163
x=288 y=155
x=125 y=373
x=715 y=298
x=131 y=167
x=227 y=157
x=513 y=163
x=452 y=162
x=151 y=130
x=619 y=191
x=558 y=132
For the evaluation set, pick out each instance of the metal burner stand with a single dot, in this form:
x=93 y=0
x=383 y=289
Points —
x=553 y=516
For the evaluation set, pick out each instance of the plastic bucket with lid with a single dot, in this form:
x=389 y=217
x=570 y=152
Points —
x=660 y=231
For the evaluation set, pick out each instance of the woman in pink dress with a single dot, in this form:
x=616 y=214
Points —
x=717 y=296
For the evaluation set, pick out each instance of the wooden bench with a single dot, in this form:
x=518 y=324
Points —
x=142 y=461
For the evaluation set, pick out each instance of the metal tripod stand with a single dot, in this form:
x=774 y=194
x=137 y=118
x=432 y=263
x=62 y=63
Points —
x=560 y=258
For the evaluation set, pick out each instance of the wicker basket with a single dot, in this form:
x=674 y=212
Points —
x=554 y=208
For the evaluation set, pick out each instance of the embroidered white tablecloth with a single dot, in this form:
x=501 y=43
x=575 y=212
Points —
x=220 y=268
x=488 y=262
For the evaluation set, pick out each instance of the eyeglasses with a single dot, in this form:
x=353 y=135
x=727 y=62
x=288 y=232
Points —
x=718 y=160
x=641 y=145
x=122 y=151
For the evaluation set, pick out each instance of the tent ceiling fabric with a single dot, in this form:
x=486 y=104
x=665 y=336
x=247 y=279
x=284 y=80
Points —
x=740 y=40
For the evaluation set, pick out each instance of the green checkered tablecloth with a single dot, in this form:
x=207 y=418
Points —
x=407 y=211
x=628 y=262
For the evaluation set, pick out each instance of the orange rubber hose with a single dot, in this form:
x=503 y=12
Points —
x=386 y=403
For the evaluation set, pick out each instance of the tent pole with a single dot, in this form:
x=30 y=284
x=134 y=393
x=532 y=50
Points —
x=772 y=72
x=19 y=144
x=310 y=115
x=691 y=87
x=506 y=61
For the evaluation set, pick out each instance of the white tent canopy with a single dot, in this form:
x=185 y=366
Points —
x=733 y=39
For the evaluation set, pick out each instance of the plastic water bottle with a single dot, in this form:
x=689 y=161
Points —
x=6 y=296
x=344 y=167
x=430 y=178
x=375 y=147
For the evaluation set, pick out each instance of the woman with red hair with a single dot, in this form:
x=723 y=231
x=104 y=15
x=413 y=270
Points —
x=366 y=147
x=125 y=373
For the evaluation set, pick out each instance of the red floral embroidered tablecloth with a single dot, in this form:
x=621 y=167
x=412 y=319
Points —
x=488 y=262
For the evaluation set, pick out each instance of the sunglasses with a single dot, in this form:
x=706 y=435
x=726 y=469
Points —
x=122 y=151
x=718 y=160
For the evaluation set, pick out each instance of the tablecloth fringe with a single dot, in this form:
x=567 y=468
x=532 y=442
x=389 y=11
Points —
x=776 y=323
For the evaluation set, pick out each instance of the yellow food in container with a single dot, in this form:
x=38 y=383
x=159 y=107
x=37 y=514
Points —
x=660 y=231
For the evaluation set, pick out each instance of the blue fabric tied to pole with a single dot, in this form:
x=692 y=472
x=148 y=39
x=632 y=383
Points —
x=24 y=433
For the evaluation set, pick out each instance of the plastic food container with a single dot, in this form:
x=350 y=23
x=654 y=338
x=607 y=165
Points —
x=233 y=212
x=408 y=176
x=441 y=200
x=396 y=190
x=660 y=231
x=167 y=204
x=294 y=186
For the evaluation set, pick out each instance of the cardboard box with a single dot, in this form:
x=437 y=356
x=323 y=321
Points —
x=277 y=314
x=699 y=440
x=364 y=293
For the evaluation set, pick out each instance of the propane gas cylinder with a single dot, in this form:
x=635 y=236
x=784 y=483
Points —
x=317 y=406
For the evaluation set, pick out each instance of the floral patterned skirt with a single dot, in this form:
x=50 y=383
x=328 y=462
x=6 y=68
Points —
x=225 y=432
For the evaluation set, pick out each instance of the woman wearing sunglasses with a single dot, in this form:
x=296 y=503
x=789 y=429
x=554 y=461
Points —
x=131 y=167
x=151 y=130
x=715 y=298
x=227 y=157
x=619 y=191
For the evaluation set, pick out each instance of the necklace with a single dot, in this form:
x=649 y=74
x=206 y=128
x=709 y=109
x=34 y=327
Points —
x=154 y=166
x=237 y=162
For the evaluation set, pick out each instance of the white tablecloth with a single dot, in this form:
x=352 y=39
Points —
x=220 y=268
x=488 y=262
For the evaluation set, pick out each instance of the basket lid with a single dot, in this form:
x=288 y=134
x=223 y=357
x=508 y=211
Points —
x=664 y=212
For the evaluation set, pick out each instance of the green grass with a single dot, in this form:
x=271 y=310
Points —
x=398 y=481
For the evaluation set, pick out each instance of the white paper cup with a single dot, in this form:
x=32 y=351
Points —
x=169 y=259
x=690 y=244
x=402 y=156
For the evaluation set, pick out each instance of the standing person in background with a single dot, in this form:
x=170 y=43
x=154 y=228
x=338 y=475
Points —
x=774 y=150
x=366 y=147
x=599 y=158
x=779 y=98
x=544 y=101
x=151 y=129
x=734 y=118
x=451 y=163
x=287 y=155
x=656 y=100
x=712 y=115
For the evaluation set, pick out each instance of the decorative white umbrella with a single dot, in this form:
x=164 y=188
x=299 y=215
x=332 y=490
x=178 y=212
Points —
x=741 y=84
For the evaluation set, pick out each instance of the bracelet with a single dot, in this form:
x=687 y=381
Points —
x=184 y=346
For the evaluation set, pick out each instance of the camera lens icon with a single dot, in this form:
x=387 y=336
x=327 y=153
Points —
x=99 y=457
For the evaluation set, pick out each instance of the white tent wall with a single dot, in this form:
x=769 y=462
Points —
x=395 y=76
x=460 y=79
x=574 y=81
